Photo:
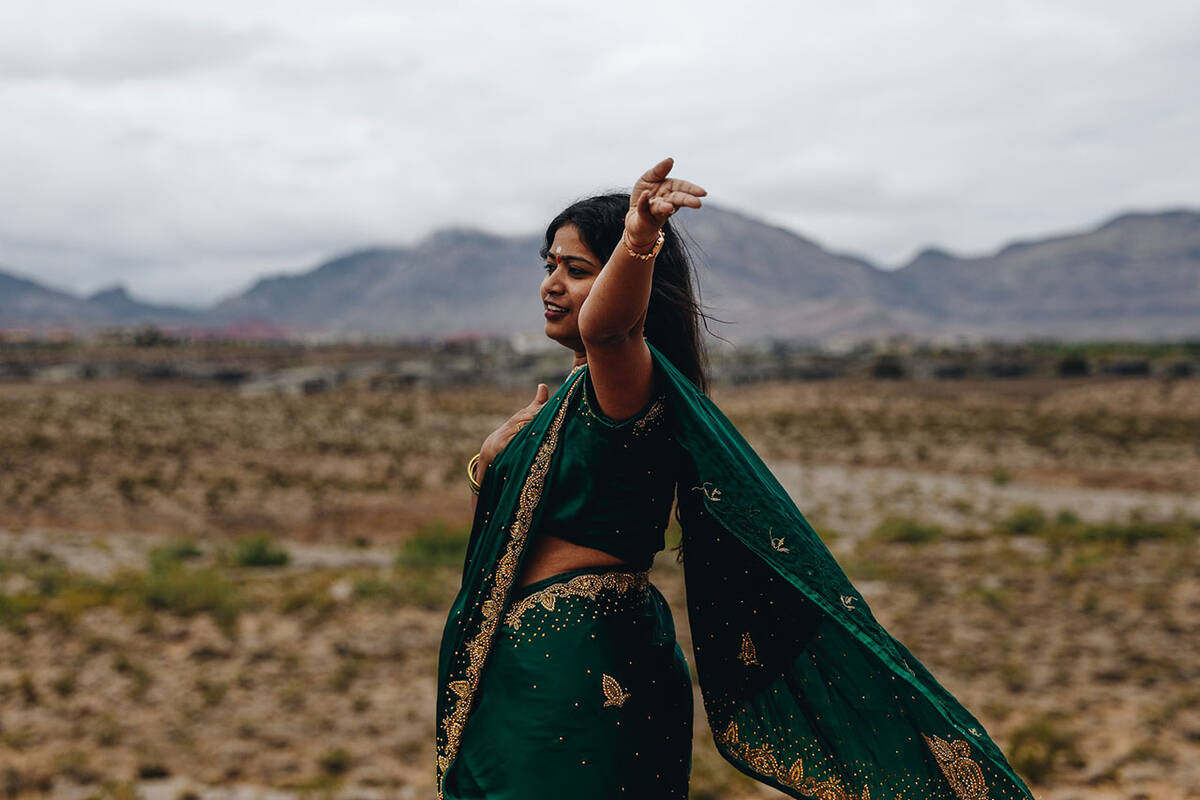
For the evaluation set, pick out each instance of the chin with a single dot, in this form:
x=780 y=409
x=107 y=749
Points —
x=569 y=341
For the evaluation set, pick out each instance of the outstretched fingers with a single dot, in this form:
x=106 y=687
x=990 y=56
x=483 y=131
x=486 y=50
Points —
x=676 y=185
x=659 y=171
x=661 y=207
x=679 y=199
x=658 y=197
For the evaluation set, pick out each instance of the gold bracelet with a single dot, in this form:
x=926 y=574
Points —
x=475 y=485
x=662 y=237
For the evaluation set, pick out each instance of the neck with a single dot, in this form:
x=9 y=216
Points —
x=580 y=358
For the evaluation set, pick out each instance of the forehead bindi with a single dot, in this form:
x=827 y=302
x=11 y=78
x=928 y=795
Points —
x=567 y=246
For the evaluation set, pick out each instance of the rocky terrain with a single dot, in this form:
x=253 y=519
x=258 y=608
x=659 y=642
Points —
x=205 y=594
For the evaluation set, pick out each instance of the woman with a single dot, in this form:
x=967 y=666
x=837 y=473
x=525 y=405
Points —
x=559 y=673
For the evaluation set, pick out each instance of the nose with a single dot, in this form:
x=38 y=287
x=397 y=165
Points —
x=552 y=284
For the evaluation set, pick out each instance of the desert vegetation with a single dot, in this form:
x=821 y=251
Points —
x=203 y=588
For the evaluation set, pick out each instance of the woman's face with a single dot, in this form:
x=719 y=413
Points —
x=570 y=270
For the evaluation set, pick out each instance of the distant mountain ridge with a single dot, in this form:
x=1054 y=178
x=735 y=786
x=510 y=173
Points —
x=1135 y=276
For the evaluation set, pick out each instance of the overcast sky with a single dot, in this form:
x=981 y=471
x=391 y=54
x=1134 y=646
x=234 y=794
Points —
x=187 y=148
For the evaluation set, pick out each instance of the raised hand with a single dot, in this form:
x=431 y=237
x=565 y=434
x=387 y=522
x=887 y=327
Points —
x=654 y=198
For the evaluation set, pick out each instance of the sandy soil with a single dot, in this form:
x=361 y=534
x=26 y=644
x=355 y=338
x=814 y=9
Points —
x=1034 y=543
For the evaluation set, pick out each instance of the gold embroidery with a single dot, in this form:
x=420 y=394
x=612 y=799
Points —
x=848 y=601
x=614 y=695
x=477 y=647
x=963 y=774
x=650 y=420
x=709 y=494
x=763 y=760
x=588 y=586
x=777 y=543
x=643 y=424
x=748 y=656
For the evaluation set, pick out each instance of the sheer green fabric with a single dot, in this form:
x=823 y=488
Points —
x=803 y=689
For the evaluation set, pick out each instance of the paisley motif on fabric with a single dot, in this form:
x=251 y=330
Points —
x=961 y=771
x=748 y=654
x=614 y=695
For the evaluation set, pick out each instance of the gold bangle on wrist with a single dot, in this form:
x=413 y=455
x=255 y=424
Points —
x=475 y=485
x=662 y=237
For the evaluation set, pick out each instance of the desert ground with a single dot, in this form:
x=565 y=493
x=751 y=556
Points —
x=210 y=594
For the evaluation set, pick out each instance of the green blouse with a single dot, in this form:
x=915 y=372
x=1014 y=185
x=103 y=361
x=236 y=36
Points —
x=612 y=484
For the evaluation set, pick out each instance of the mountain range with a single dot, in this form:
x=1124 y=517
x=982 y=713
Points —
x=1135 y=276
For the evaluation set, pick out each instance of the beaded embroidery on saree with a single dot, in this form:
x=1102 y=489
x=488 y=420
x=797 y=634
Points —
x=804 y=690
x=474 y=651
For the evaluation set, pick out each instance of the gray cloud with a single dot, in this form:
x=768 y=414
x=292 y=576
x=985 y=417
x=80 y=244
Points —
x=140 y=48
x=188 y=151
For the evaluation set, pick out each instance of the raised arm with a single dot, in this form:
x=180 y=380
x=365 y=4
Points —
x=613 y=316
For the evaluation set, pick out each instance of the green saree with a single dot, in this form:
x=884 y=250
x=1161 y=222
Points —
x=803 y=689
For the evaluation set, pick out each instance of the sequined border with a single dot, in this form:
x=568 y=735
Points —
x=953 y=757
x=652 y=418
x=478 y=647
x=589 y=586
x=644 y=424
x=763 y=760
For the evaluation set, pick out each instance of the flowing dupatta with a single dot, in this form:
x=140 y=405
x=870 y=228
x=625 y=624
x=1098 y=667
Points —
x=803 y=688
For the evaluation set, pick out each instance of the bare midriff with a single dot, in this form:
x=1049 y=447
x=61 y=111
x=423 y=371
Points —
x=552 y=555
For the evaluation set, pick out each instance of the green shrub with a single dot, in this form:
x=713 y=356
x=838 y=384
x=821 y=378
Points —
x=259 y=551
x=173 y=553
x=186 y=592
x=425 y=589
x=347 y=672
x=1066 y=517
x=908 y=531
x=140 y=677
x=335 y=762
x=1040 y=747
x=1024 y=520
x=13 y=611
x=434 y=546
x=374 y=588
x=213 y=692
x=65 y=684
x=127 y=488
x=1127 y=533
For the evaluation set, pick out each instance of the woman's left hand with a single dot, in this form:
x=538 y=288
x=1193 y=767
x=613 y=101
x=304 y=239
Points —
x=654 y=198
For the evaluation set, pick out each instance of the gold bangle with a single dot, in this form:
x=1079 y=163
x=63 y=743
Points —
x=662 y=237
x=475 y=485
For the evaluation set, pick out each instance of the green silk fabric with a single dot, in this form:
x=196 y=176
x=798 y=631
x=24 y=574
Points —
x=804 y=690
x=586 y=696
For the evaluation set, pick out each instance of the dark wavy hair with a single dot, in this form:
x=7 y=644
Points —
x=674 y=315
